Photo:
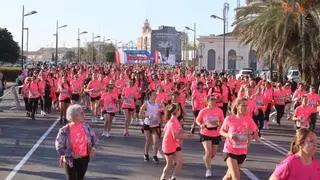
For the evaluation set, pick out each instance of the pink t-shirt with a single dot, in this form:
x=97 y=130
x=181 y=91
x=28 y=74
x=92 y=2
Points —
x=292 y=168
x=96 y=87
x=313 y=101
x=169 y=143
x=42 y=86
x=34 y=91
x=212 y=118
x=268 y=95
x=225 y=94
x=252 y=106
x=78 y=139
x=64 y=90
x=109 y=101
x=76 y=86
x=280 y=97
x=25 y=90
x=128 y=95
x=299 y=93
x=260 y=101
x=242 y=127
x=199 y=100
x=304 y=114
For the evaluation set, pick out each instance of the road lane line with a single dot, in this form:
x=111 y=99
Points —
x=31 y=151
x=275 y=148
x=248 y=173
x=275 y=145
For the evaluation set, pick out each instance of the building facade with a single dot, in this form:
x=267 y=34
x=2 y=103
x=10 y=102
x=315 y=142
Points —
x=144 y=41
x=237 y=56
x=167 y=41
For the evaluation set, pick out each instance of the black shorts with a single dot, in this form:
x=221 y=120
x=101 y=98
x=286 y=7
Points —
x=156 y=129
x=240 y=158
x=129 y=109
x=67 y=100
x=75 y=97
x=196 y=113
x=214 y=140
x=177 y=150
x=57 y=94
x=110 y=113
x=92 y=99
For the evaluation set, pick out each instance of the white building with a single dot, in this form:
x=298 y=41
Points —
x=237 y=56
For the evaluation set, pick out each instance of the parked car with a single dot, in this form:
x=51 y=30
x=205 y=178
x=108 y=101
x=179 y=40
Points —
x=244 y=72
x=294 y=74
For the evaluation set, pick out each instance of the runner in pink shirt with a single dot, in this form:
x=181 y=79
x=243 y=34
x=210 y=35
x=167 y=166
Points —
x=94 y=88
x=238 y=129
x=313 y=102
x=210 y=120
x=198 y=103
x=64 y=98
x=34 y=96
x=171 y=148
x=25 y=95
x=280 y=102
x=268 y=97
x=129 y=95
x=76 y=89
x=302 y=114
x=296 y=98
x=301 y=163
x=109 y=108
x=226 y=96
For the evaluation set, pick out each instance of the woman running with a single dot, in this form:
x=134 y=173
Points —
x=173 y=133
x=34 y=96
x=313 y=102
x=280 y=102
x=198 y=103
x=109 y=108
x=94 y=88
x=151 y=126
x=76 y=89
x=25 y=95
x=64 y=98
x=129 y=94
x=237 y=128
x=210 y=119
x=301 y=162
x=268 y=97
x=302 y=114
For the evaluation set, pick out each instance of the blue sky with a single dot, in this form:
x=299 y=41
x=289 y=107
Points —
x=115 y=19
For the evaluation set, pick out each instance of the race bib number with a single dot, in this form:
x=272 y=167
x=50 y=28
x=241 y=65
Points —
x=76 y=90
x=282 y=99
x=64 y=91
x=259 y=102
x=110 y=108
x=212 y=121
x=241 y=141
x=128 y=100
x=154 y=121
x=312 y=103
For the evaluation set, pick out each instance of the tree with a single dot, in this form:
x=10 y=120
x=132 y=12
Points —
x=9 y=49
x=287 y=32
x=108 y=52
x=70 y=56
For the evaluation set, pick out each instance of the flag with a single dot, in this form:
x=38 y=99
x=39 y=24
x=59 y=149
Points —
x=157 y=57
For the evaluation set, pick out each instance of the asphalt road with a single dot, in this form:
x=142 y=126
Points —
x=121 y=157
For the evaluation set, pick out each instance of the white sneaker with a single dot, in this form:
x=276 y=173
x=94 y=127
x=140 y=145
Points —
x=107 y=134
x=140 y=122
x=41 y=112
x=208 y=173
x=44 y=114
x=103 y=134
x=101 y=118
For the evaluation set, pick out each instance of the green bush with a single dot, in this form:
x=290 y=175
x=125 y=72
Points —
x=10 y=73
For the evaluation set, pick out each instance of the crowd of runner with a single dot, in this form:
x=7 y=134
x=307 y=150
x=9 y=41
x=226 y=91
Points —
x=156 y=97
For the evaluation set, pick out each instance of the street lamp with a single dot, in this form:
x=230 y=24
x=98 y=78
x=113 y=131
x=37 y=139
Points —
x=22 y=31
x=83 y=32
x=27 y=29
x=57 y=35
x=224 y=19
x=194 y=42
x=93 y=38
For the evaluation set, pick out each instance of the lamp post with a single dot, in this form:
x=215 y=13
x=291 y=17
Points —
x=57 y=35
x=224 y=19
x=93 y=38
x=27 y=29
x=83 y=32
x=194 y=42
x=22 y=31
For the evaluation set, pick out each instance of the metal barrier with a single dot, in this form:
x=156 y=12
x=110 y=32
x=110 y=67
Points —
x=13 y=91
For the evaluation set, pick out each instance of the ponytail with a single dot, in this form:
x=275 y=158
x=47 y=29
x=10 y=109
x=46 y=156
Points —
x=170 y=110
x=293 y=147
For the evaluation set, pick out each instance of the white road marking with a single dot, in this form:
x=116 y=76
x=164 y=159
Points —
x=272 y=147
x=248 y=173
x=275 y=145
x=31 y=151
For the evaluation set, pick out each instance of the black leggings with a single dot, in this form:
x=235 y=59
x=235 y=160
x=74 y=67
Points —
x=33 y=105
x=45 y=103
x=27 y=104
x=280 y=112
x=225 y=109
x=259 y=119
x=313 y=121
x=79 y=169
x=267 y=113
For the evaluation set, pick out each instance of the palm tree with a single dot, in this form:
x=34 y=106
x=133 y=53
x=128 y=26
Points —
x=287 y=32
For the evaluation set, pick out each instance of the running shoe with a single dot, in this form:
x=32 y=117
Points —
x=126 y=133
x=155 y=159
x=208 y=173
x=140 y=122
x=108 y=135
x=103 y=134
x=172 y=178
x=101 y=118
x=146 y=157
